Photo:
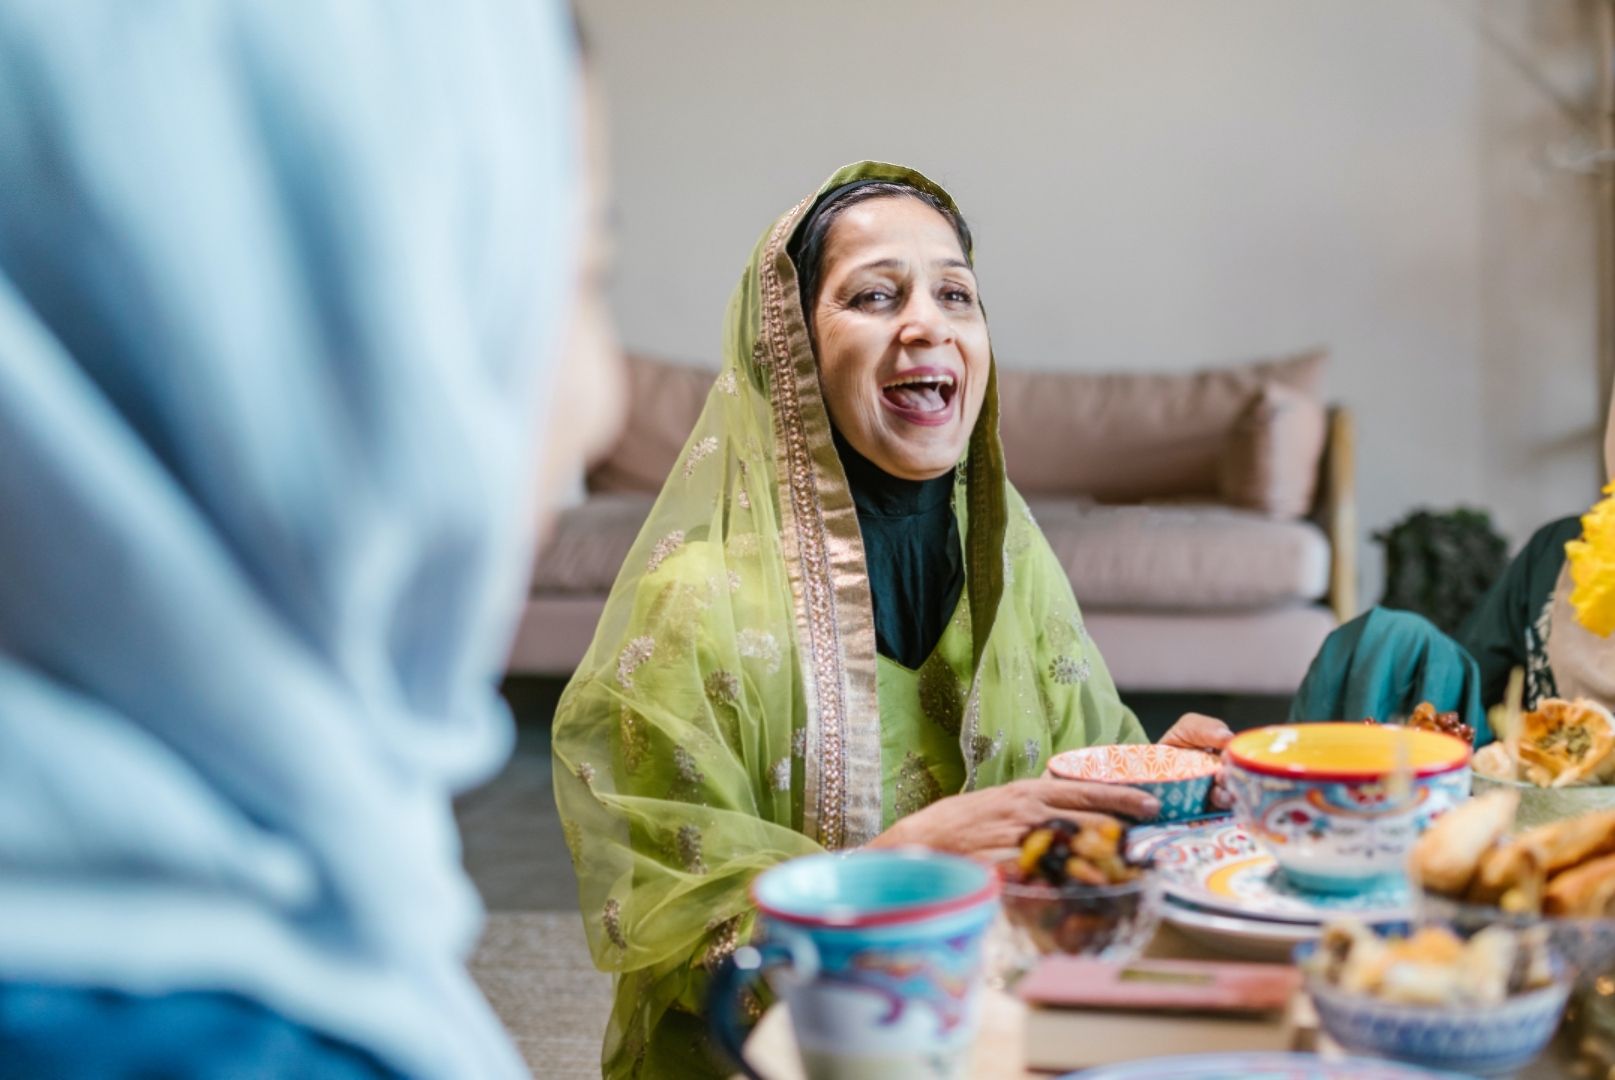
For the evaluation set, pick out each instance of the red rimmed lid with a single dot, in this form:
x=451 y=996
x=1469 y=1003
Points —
x=879 y=888
x=1344 y=752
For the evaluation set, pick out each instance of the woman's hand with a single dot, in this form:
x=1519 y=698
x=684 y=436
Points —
x=1196 y=732
x=995 y=819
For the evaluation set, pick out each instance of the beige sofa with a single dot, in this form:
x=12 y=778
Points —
x=1205 y=520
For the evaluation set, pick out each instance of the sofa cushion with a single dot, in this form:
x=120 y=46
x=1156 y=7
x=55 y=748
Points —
x=1183 y=557
x=1186 y=557
x=1270 y=463
x=590 y=543
x=1230 y=652
x=664 y=402
x=1127 y=438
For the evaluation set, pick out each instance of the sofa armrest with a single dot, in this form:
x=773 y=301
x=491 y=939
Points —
x=1336 y=510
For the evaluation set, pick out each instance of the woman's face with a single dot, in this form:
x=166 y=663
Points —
x=900 y=337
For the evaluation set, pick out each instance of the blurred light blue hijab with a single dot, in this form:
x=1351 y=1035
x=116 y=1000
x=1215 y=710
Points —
x=277 y=283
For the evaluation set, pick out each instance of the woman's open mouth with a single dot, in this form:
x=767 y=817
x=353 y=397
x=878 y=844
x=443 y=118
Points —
x=924 y=396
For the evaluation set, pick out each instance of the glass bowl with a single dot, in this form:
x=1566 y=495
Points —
x=1586 y=944
x=1108 y=922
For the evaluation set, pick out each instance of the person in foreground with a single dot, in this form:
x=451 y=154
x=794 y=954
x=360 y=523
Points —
x=279 y=289
x=840 y=626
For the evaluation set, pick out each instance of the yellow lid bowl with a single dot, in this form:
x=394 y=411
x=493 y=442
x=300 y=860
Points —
x=1344 y=752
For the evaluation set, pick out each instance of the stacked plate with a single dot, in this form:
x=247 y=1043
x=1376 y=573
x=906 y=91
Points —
x=1221 y=889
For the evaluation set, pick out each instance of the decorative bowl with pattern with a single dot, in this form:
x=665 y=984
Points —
x=1476 y=1040
x=1323 y=800
x=1180 y=779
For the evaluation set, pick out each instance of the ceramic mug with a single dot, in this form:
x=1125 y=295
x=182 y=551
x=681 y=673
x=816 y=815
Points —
x=879 y=955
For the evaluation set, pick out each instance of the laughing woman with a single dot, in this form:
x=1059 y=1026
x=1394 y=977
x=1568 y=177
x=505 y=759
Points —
x=839 y=627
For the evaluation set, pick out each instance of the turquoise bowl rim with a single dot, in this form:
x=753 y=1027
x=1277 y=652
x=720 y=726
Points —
x=979 y=886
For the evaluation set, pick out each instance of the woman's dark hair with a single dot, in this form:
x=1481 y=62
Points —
x=807 y=246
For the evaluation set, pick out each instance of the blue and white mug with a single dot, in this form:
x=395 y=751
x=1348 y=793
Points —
x=879 y=955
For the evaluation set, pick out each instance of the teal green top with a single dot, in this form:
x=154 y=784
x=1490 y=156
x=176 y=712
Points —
x=1510 y=627
x=911 y=547
x=1384 y=663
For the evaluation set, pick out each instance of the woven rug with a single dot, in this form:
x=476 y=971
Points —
x=535 y=970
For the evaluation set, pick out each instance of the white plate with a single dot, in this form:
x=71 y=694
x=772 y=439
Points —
x=1246 y=939
x=1258 y=1067
x=1220 y=868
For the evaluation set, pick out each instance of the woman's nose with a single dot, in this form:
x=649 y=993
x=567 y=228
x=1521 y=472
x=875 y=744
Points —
x=924 y=323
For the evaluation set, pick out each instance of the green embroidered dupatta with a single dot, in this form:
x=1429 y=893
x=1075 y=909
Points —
x=728 y=715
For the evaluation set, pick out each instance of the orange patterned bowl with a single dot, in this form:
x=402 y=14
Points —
x=1180 y=779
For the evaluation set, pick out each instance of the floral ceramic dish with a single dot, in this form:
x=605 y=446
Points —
x=1180 y=779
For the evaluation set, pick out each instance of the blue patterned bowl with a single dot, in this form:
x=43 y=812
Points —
x=1320 y=799
x=1179 y=779
x=1480 y=1040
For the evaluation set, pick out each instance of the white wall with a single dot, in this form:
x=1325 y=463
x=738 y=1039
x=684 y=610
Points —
x=1162 y=184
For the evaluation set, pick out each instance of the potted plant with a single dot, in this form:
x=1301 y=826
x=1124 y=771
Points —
x=1440 y=563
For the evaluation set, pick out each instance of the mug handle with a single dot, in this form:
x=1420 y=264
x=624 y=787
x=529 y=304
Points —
x=794 y=957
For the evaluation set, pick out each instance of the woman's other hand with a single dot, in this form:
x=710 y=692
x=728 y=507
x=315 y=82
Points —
x=1196 y=732
x=994 y=820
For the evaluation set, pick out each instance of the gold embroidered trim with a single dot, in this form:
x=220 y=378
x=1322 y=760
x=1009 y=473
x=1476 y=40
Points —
x=824 y=557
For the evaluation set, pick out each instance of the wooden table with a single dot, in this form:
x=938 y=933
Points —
x=998 y=1053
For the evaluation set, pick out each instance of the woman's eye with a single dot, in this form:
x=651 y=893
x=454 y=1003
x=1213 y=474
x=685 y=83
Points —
x=957 y=296
x=871 y=298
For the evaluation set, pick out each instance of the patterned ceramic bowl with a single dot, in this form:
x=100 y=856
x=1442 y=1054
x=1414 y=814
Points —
x=1180 y=779
x=1477 y=1040
x=1320 y=797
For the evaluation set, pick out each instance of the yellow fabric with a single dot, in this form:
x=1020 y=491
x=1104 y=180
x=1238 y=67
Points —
x=732 y=712
x=1592 y=567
